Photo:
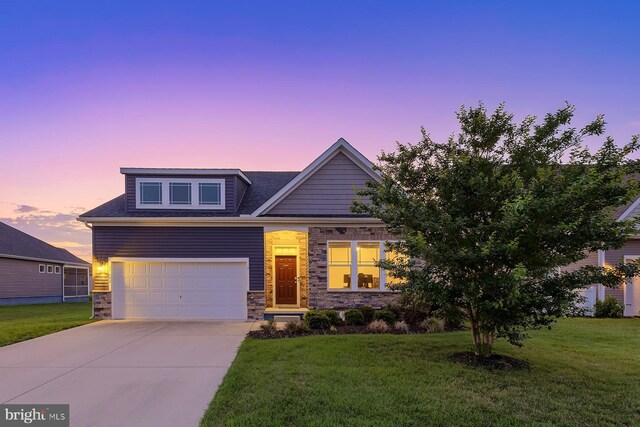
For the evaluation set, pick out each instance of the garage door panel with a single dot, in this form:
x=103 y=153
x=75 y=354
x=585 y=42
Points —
x=190 y=290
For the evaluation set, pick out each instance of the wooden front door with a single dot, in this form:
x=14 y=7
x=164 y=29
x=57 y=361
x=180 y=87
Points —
x=286 y=282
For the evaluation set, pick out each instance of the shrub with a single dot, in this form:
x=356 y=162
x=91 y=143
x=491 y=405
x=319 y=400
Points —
x=333 y=316
x=610 y=307
x=379 y=327
x=296 y=327
x=386 y=316
x=353 y=317
x=367 y=313
x=270 y=327
x=401 y=326
x=432 y=324
x=395 y=309
x=414 y=307
x=317 y=320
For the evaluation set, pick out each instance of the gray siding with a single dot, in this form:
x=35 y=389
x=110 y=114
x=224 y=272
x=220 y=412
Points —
x=240 y=188
x=616 y=256
x=230 y=193
x=590 y=259
x=184 y=242
x=21 y=278
x=329 y=191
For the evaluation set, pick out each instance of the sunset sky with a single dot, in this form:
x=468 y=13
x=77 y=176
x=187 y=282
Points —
x=87 y=87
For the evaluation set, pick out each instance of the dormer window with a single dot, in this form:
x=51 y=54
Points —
x=209 y=193
x=180 y=193
x=150 y=193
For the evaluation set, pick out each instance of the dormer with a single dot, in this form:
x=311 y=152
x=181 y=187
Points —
x=153 y=189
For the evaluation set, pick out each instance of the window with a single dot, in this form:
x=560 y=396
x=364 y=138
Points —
x=50 y=269
x=339 y=265
x=352 y=266
x=41 y=268
x=180 y=193
x=57 y=269
x=150 y=193
x=76 y=282
x=368 y=272
x=391 y=279
x=209 y=193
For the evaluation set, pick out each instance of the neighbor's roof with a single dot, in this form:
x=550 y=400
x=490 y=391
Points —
x=264 y=186
x=15 y=243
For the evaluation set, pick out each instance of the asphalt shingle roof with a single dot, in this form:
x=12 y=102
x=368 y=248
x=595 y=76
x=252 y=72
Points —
x=263 y=186
x=15 y=242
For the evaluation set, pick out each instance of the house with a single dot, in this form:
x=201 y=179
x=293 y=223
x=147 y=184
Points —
x=629 y=293
x=232 y=244
x=34 y=272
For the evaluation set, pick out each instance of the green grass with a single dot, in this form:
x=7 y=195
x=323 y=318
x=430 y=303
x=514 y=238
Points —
x=23 y=322
x=585 y=372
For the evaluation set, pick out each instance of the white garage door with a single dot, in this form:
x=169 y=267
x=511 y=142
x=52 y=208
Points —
x=179 y=290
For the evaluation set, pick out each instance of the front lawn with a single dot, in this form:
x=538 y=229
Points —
x=23 y=322
x=583 y=372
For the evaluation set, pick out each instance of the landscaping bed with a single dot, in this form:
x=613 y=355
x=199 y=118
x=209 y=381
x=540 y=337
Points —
x=338 y=330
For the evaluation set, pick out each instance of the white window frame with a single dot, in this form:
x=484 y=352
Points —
x=49 y=269
x=354 y=267
x=195 y=194
x=42 y=268
x=56 y=269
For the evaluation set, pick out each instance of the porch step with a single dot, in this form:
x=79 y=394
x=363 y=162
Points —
x=285 y=318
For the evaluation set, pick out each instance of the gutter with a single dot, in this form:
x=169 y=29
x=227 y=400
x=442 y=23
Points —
x=229 y=221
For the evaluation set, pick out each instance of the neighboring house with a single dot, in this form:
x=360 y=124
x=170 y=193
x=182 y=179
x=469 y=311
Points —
x=629 y=293
x=34 y=272
x=232 y=244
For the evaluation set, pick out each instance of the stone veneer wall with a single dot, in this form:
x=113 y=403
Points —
x=255 y=305
x=102 y=305
x=286 y=238
x=322 y=298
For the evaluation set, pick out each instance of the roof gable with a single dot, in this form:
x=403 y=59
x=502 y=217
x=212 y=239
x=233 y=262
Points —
x=325 y=187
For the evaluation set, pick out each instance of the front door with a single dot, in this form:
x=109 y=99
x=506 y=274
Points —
x=286 y=282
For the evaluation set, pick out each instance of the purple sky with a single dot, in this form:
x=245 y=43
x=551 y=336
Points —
x=87 y=87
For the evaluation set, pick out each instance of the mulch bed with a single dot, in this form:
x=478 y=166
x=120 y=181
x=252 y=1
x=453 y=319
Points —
x=493 y=362
x=340 y=330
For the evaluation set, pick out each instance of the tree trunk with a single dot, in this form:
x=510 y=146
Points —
x=482 y=340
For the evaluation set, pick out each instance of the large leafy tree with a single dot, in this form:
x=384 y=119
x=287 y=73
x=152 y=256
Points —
x=488 y=218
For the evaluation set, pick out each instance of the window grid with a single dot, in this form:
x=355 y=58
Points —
x=202 y=192
x=355 y=263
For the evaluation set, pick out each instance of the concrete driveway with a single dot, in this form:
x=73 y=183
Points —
x=124 y=373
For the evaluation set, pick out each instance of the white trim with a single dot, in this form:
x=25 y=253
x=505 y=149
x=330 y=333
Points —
x=49 y=266
x=42 y=269
x=340 y=146
x=354 y=267
x=624 y=286
x=182 y=172
x=273 y=273
x=272 y=228
x=136 y=259
x=165 y=184
x=56 y=269
x=234 y=221
x=88 y=281
x=600 y=289
x=630 y=209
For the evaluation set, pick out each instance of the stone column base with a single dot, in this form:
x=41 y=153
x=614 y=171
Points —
x=102 y=305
